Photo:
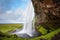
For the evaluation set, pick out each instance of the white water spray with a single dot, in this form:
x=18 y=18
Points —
x=29 y=17
x=28 y=25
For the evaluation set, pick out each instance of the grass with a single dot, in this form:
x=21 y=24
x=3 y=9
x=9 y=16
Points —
x=5 y=28
x=9 y=27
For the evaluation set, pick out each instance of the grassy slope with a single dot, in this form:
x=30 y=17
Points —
x=6 y=28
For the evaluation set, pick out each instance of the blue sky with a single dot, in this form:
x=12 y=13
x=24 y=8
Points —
x=12 y=4
x=11 y=10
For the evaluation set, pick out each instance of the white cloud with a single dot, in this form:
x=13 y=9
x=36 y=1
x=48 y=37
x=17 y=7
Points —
x=12 y=16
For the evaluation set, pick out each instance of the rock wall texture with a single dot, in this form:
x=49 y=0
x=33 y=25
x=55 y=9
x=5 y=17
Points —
x=47 y=13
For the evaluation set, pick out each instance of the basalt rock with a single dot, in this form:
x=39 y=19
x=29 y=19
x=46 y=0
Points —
x=47 y=13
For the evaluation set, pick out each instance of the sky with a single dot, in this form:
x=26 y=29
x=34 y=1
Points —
x=11 y=11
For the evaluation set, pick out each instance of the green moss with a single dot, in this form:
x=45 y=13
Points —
x=43 y=30
x=50 y=35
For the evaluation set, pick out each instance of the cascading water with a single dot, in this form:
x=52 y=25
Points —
x=28 y=29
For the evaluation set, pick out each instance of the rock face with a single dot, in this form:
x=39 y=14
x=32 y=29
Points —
x=47 y=13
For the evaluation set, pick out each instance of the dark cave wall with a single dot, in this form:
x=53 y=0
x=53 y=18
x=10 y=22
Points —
x=47 y=13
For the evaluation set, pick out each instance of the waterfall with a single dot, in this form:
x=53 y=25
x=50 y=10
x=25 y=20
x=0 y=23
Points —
x=29 y=17
x=28 y=25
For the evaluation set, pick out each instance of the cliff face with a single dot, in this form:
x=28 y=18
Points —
x=47 y=12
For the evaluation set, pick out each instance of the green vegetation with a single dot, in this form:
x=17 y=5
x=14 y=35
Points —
x=9 y=27
x=5 y=28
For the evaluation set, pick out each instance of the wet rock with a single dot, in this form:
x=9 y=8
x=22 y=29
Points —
x=47 y=13
x=43 y=39
x=56 y=37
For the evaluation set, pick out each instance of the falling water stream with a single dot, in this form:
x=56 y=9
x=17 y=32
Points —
x=28 y=29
